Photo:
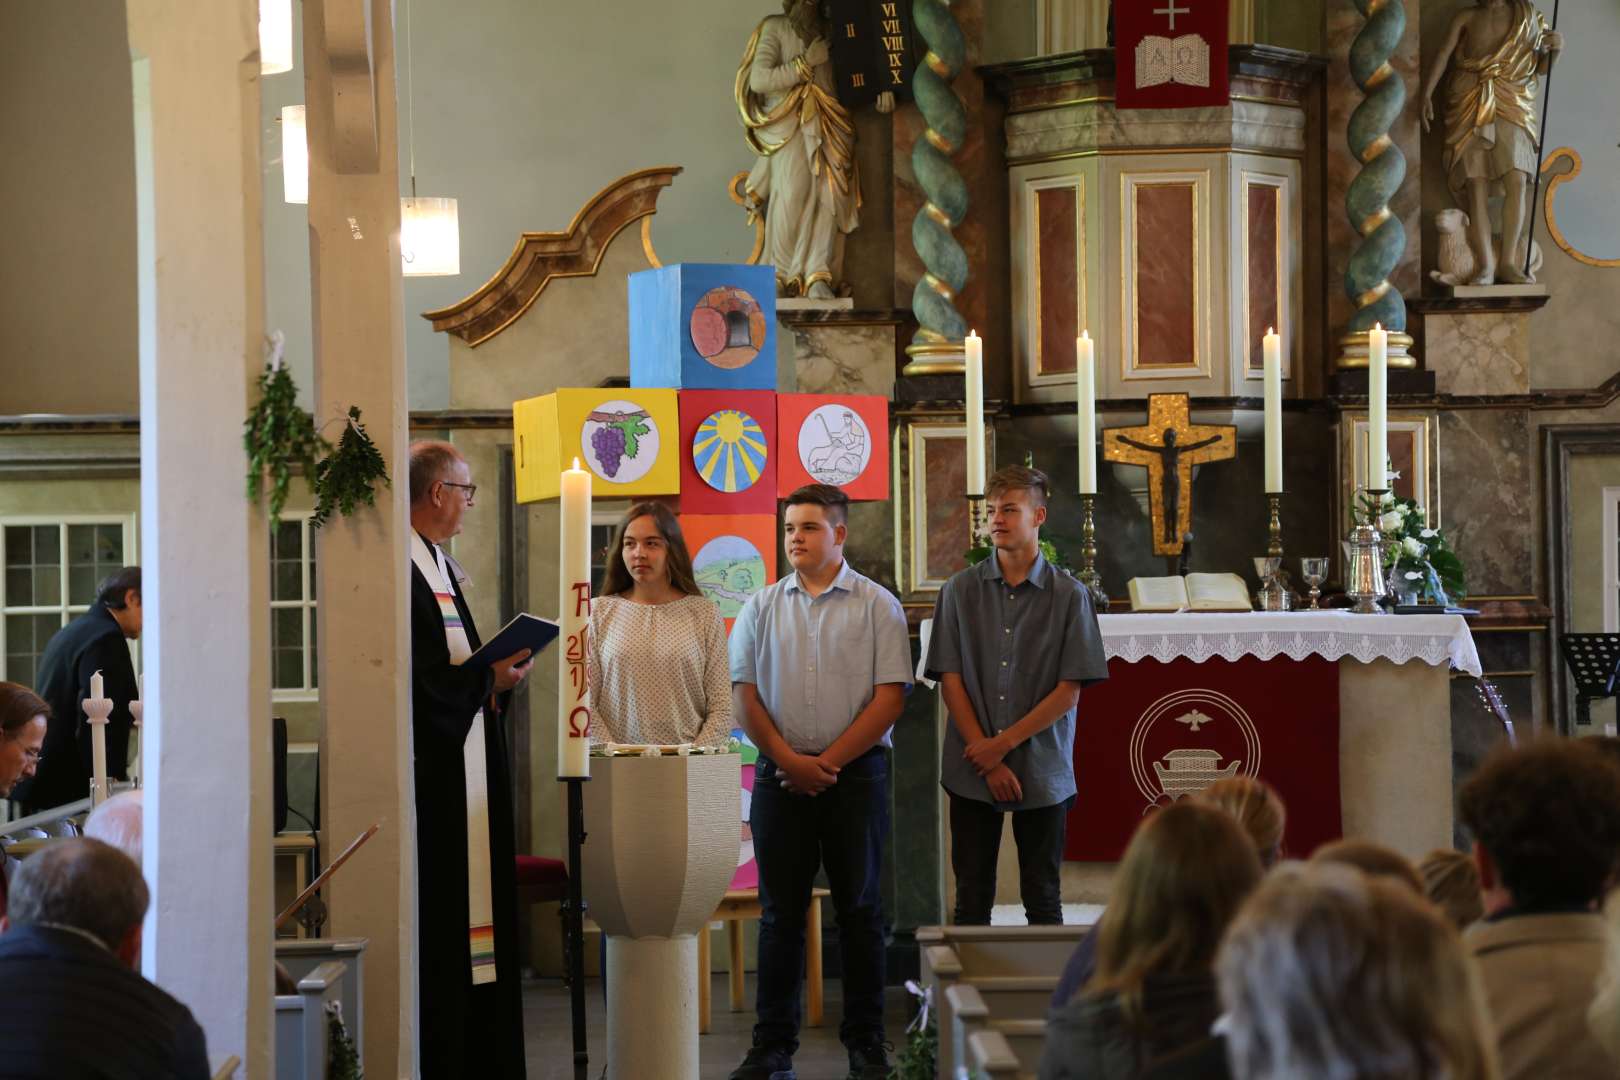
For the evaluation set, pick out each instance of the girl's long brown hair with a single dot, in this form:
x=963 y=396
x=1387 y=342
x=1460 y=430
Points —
x=617 y=579
x=1184 y=875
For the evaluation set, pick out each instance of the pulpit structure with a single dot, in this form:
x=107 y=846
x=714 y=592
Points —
x=1174 y=236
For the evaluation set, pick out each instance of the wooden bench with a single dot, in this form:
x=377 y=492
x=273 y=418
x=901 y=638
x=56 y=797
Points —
x=991 y=1058
x=971 y=1015
x=301 y=1035
x=303 y=956
x=739 y=906
x=1013 y=968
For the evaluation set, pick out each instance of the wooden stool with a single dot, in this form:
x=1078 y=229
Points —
x=738 y=906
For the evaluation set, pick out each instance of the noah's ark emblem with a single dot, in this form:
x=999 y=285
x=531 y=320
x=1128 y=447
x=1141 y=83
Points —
x=1208 y=737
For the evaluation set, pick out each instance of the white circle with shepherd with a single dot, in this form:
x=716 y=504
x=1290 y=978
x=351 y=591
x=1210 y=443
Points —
x=834 y=444
x=1187 y=740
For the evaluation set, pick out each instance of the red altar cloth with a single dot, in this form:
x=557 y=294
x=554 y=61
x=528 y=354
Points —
x=1170 y=55
x=1157 y=730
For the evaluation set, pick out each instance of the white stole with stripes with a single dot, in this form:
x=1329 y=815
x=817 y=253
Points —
x=480 y=891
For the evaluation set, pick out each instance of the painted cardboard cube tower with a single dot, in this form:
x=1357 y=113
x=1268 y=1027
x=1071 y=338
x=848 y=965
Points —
x=702 y=420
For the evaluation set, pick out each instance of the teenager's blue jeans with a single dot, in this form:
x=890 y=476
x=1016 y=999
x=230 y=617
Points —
x=843 y=829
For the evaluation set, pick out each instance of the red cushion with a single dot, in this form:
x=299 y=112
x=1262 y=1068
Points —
x=532 y=870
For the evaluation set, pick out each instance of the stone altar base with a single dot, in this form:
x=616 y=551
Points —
x=662 y=841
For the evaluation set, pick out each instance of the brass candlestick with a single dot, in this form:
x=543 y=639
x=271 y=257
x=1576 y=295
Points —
x=1089 y=576
x=976 y=518
x=1274 y=545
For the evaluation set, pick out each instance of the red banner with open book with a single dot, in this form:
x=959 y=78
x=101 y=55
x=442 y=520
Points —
x=1170 y=54
x=1157 y=732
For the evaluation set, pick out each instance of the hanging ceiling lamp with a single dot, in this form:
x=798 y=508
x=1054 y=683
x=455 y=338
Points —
x=429 y=230
x=294 y=155
x=275 y=37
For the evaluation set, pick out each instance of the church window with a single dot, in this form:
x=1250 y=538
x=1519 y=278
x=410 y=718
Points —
x=292 y=609
x=52 y=567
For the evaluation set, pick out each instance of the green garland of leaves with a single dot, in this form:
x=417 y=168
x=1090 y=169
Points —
x=277 y=436
x=916 y=1060
x=343 y=1060
x=344 y=479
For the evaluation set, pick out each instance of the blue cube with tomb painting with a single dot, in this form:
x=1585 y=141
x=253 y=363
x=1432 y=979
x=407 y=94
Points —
x=703 y=326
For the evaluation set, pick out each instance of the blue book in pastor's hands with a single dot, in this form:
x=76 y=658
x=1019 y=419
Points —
x=524 y=632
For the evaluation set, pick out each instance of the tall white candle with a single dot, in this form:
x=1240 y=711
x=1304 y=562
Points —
x=97 y=708
x=1377 y=407
x=974 y=372
x=573 y=619
x=1085 y=377
x=1272 y=348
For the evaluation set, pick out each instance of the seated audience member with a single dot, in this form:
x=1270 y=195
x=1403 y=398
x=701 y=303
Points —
x=1603 y=1018
x=1327 y=972
x=1451 y=882
x=1546 y=824
x=23 y=718
x=1374 y=860
x=1259 y=812
x=70 y=943
x=1185 y=873
x=118 y=822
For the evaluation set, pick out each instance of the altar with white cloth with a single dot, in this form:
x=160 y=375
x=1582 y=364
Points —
x=1348 y=716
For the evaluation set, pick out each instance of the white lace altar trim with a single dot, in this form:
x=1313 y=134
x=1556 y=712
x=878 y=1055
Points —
x=1436 y=640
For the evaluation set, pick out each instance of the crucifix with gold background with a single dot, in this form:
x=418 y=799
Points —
x=1168 y=446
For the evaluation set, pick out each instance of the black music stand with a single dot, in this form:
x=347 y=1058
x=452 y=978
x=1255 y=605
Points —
x=1592 y=660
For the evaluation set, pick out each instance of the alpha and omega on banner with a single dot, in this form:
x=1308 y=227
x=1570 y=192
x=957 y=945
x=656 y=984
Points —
x=862 y=473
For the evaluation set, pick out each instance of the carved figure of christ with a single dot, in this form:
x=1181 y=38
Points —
x=1168 y=446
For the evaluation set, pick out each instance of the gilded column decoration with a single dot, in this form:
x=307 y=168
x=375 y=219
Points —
x=936 y=348
x=1383 y=167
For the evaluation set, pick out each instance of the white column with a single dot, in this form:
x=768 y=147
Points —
x=363 y=613
x=204 y=547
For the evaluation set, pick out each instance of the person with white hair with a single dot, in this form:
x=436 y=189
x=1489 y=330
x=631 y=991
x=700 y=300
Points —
x=118 y=822
x=1329 y=972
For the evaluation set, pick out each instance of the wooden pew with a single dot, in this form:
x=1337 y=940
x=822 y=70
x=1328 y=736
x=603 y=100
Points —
x=303 y=955
x=990 y=1057
x=301 y=1041
x=1024 y=1036
x=1014 y=968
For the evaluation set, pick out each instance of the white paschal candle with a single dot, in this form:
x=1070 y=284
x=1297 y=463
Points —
x=1271 y=346
x=1085 y=394
x=1377 y=408
x=573 y=620
x=973 y=371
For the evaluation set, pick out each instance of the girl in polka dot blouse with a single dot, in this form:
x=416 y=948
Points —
x=659 y=671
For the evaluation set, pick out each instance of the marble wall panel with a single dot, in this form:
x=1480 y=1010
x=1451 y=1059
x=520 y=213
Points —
x=1486 y=460
x=1057 y=288
x=949 y=530
x=830 y=358
x=1263 y=269
x=1164 y=248
x=1261 y=127
x=1478 y=352
x=1344 y=22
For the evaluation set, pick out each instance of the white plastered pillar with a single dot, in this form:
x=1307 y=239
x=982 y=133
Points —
x=204 y=547
x=364 y=629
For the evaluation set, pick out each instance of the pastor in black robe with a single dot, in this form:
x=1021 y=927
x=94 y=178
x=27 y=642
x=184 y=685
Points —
x=90 y=643
x=464 y=1030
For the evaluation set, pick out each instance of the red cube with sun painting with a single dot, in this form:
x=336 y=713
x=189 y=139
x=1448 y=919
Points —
x=837 y=439
x=728 y=451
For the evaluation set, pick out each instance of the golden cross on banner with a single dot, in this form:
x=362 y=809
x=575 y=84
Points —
x=1168 y=446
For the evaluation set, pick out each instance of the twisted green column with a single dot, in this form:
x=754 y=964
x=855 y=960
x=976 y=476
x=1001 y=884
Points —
x=1383 y=167
x=940 y=328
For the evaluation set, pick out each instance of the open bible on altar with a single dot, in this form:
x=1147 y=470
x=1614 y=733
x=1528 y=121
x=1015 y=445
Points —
x=524 y=632
x=1195 y=592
